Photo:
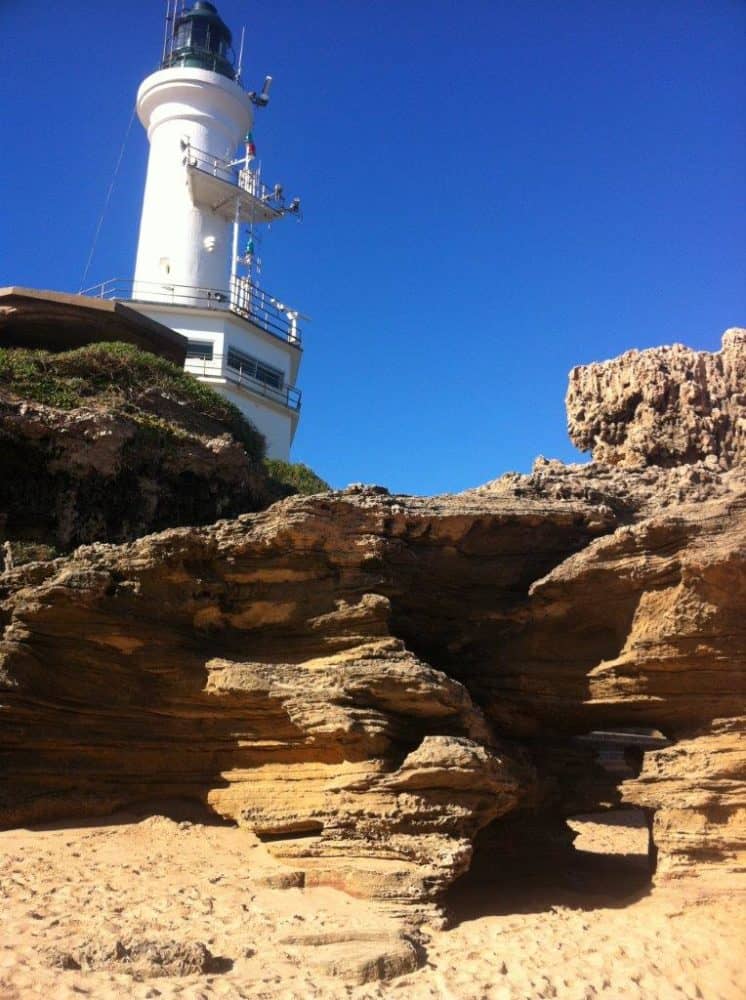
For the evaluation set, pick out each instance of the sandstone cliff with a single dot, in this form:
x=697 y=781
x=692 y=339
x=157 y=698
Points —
x=696 y=792
x=366 y=681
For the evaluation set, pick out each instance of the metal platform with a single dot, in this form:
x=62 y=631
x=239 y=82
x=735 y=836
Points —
x=223 y=185
x=222 y=196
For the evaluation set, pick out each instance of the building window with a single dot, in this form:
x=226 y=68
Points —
x=201 y=349
x=253 y=368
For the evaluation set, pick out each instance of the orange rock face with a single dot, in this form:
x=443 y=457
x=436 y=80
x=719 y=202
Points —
x=367 y=681
x=696 y=791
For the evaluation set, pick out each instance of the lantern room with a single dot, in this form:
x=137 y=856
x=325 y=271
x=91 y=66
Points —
x=201 y=40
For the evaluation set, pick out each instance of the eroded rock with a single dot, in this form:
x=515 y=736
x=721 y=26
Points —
x=356 y=958
x=366 y=681
x=140 y=959
x=340 y=748
x=697 y=793
x=664 y=406
x=92 y=473
x=643 y=627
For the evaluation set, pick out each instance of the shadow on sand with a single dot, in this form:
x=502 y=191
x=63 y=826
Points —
x=178 y=810
x=575 y=879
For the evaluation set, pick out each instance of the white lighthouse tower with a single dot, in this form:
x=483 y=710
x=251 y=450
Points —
x=196 y=259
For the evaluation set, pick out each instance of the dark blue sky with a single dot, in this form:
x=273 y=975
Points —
x=493 y=192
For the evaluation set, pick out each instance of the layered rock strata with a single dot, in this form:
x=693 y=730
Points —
x=313 y=726
x=696 y=792
x=645 y=626
x=366 y=681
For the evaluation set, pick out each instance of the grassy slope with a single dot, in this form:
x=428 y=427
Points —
x=293 y=477
x=113 y=374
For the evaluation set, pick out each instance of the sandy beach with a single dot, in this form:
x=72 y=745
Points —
x=144 y=907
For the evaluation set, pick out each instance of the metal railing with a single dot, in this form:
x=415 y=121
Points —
x=219 y=366
x=246 y=300
x=233 y=172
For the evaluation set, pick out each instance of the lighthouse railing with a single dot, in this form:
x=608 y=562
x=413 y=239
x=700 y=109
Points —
x=246 y=299
x=232 y=171
x=219 y=367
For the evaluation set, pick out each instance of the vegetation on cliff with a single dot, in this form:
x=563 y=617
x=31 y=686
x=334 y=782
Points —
x=115 y=374
x=108 y=443
x=289 y=478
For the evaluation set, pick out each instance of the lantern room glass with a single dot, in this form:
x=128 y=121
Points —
x=202 y=40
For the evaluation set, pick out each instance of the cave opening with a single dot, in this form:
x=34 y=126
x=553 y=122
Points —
x=613 y=852
x=532 y=863
x=582 y=847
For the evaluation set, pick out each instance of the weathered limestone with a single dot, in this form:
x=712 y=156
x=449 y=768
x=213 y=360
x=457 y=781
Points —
x=645 y=626
x=332 y=742
x=367 y=681
x=334 y=789
x=664 y=406
x=697 y=790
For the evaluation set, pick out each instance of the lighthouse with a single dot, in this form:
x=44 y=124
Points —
x=204 y=208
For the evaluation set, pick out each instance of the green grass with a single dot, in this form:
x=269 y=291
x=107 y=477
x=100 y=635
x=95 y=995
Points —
x=115 y=373
x=289 y=478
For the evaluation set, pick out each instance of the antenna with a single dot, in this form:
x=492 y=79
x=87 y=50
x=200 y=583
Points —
x=240 y=54
x=168 y=24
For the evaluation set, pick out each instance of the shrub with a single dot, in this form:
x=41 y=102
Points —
x=289 y=478
x=117 y=372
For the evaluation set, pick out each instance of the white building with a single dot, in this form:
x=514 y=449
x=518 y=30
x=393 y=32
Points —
x=195 y=267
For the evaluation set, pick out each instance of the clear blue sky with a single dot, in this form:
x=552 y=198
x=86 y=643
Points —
x=494 y=191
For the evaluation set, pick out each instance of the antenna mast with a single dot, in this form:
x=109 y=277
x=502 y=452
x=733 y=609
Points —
x=240 y=55
x=168 y=26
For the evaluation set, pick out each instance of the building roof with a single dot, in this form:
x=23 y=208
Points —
x=57 y=321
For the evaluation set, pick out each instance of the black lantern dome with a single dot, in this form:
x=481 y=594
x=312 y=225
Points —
x=202 y=40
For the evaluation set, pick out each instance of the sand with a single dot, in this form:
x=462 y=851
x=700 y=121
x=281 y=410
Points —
x=170 y=907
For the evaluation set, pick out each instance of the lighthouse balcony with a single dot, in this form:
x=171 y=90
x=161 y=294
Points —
x=231 y=189
x=244 y=299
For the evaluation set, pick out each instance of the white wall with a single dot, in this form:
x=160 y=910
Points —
x=226 y=330
x=276 y=422
x=214 y=113
x=276 y=426
x=251 y=340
